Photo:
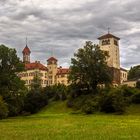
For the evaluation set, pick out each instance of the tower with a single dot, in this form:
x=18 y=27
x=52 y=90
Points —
x=26 y=53
x=110 y=44
x=52 y=70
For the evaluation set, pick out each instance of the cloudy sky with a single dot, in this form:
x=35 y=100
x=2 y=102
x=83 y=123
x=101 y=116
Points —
x=60 y=27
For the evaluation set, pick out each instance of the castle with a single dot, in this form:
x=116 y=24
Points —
x=52 y=74
x=49 y=75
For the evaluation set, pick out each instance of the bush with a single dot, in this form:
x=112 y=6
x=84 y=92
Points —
x=114 y=101
x=3 y=109
x=34 y=101
x=91 y=105
x=56 y=92
x=76 y=103
x=109 y=100
x=136 y=98
x=15 y=104
x=86 y=103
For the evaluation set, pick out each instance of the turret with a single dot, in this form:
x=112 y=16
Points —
x=26 y=54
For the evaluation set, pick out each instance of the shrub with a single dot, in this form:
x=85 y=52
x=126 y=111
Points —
x=34 y=101
x=3 y=109
x=15 y=104
x=136 y=98
x=76 y=103
x=91 y=105
x=56 y=92
x=114 y=101
x=86 y=103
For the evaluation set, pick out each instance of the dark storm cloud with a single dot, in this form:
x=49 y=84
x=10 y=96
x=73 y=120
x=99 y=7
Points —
x=61 y=27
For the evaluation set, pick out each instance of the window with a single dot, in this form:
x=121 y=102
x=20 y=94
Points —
x=106 y=42
x=116 y=42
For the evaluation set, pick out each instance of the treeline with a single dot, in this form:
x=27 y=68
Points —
x=108 y=100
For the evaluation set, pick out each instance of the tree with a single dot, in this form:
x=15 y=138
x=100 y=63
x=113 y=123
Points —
x=36 y=98
x=89 y=67
x=134 y=73
x=36 y=83
x=34 y=101
x=11 y=87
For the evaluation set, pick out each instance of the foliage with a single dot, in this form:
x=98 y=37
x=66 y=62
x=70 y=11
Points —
x=34 y=101
x=56 y=92
x=134 y=72
x=114 y=101
x=138 y=84
x=136 y=98
x=109 y=100
x=11 y=87
x=3 y=109
x=89 y=67
x=91 y=105
x=36 y=83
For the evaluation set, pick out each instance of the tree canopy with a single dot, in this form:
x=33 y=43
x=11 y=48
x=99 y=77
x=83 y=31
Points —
x=12 y=89
x=89 y=67
x=134 y=73
x=10 y=64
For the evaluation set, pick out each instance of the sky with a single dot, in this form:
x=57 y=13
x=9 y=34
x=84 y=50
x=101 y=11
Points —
x=60 y=27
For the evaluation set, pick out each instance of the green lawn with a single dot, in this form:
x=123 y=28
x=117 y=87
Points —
x=56 y=122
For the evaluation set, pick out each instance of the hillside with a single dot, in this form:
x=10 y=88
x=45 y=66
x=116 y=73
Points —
x=56 y=122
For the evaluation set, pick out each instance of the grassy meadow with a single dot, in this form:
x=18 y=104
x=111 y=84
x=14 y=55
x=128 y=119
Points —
x=56 y=122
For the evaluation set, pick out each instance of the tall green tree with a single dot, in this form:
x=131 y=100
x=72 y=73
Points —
x=11 y=87
x=36 y=98
x=89 y=67
x=10 y=64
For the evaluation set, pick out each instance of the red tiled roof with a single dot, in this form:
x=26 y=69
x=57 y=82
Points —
x=108 y=36
x=52 y=59
x=35 y=65
x=62 y=71
x=26 y=50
